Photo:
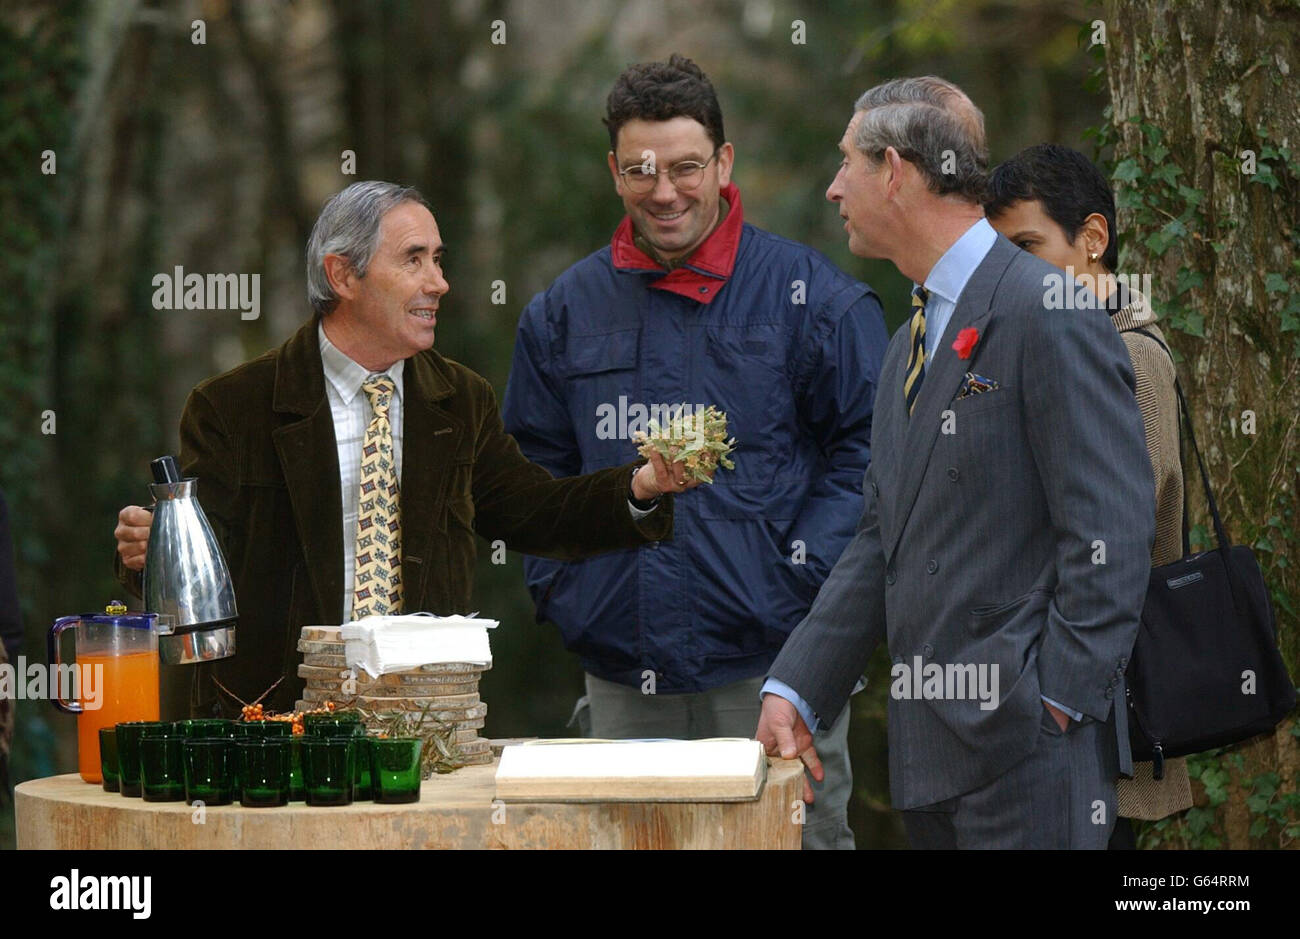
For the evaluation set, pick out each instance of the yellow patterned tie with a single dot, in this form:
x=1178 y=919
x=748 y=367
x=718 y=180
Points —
x=377 y=586
x=915 y=373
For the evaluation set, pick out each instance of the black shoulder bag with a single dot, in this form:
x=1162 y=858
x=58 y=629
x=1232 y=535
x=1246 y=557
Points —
x=1205 y=670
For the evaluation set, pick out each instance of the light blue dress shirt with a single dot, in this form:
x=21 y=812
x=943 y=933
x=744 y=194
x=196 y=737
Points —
x=945 y=282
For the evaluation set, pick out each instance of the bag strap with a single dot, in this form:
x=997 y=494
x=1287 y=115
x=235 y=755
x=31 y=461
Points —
x=1219 y=531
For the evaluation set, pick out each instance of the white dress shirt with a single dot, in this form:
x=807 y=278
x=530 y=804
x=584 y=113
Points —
x=352 y=415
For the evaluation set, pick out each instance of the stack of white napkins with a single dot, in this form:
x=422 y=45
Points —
x=383 y=644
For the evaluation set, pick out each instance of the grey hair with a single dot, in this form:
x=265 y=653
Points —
x=926 y=119
x=349 y=225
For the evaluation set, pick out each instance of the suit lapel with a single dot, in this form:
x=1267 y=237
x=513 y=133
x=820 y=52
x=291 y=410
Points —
x=432 y=438
x=943 y=380
x=309 y=460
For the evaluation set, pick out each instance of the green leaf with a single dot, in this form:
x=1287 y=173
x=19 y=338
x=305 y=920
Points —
x=1187 y=279
x=1167 y=173
x=1275 y=283
x=1264 y=175
x=1126 y=171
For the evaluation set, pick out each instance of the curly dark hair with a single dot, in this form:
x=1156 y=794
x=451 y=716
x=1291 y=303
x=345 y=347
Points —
x=1065 y=181
x=660 y=91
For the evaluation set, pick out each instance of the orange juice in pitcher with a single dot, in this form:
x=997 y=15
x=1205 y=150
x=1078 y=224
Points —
x=114 y=679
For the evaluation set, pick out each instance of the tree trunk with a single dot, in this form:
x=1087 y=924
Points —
x=1206 y=130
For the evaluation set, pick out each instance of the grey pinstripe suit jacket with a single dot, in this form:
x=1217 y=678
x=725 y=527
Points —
x=980 y=545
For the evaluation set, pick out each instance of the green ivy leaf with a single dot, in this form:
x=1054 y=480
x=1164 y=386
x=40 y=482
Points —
x=1275 y=283
x=1126 y=171
x=1187 y=279
x=1167 y=173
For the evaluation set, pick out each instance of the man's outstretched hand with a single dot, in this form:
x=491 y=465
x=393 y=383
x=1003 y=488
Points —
x=783 y=733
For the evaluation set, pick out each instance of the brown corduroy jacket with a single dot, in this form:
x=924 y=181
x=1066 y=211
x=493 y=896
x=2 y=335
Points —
x=260 y=439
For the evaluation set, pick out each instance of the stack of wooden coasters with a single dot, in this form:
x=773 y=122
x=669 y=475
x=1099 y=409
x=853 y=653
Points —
x=448 y=690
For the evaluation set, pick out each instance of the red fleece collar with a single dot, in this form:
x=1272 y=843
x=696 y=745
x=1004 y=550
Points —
x=713 y=261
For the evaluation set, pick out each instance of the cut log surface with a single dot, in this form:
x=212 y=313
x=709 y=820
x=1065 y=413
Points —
x=455 y=810
x=323 y=633
x=325 y=659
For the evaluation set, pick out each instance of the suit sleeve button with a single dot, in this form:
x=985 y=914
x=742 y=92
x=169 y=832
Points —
x=953 y=474
x=932 y=566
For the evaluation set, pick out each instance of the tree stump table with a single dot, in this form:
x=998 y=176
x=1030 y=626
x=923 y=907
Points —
x=456 y=810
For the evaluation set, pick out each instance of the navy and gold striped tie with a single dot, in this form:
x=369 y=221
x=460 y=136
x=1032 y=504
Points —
x=915 y=373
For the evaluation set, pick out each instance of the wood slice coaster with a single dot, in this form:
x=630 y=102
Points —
x=473 y=746
x=319 y=673
x=314 y=645
x=466 y=737
x=325 y=660
x=448 y=702
x=335 y=688
x=464 y=716
x=478 y=759
x=322 y=633
x=438 y=701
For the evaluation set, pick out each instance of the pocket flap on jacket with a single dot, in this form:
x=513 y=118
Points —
x=590 y=355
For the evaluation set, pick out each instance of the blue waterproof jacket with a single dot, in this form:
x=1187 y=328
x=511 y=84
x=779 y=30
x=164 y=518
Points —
x=790 y=348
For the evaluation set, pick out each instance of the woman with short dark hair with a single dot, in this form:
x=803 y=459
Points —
x=1054 y=203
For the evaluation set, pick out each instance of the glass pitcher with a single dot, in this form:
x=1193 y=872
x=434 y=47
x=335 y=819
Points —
x=115 y=679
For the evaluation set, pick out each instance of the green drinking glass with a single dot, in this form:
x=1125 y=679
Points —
x=266 y=728
x=205 y=728
x=361 y=789
x=328 y=767
x=395 y=768
x=297 y=786
x=162 y=771
x=263 y=771
x=209 y=770
x=129 y=734
x=108 y=758
x=333 y=722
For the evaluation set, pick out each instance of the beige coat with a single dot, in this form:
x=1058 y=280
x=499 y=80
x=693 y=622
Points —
x=1142 y=796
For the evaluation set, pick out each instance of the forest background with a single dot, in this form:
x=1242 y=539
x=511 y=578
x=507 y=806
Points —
x=206 y=135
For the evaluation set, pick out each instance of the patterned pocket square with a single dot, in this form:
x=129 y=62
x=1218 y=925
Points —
x=976 y=385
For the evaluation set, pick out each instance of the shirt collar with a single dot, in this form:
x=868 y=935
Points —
x=698 y=278
x=346 y=375
x=949 y=275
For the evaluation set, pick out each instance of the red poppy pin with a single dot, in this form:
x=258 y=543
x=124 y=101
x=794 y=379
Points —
x=966 y=340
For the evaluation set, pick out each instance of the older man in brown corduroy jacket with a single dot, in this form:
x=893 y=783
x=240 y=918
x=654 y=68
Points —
x=295 y=451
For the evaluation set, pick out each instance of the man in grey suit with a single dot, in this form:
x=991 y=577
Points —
x=1004 y=548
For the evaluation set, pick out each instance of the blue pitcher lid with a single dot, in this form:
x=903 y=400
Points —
x=115 y=614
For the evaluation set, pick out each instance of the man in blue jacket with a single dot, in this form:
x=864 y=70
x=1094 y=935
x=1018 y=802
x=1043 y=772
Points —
x=691 y=305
